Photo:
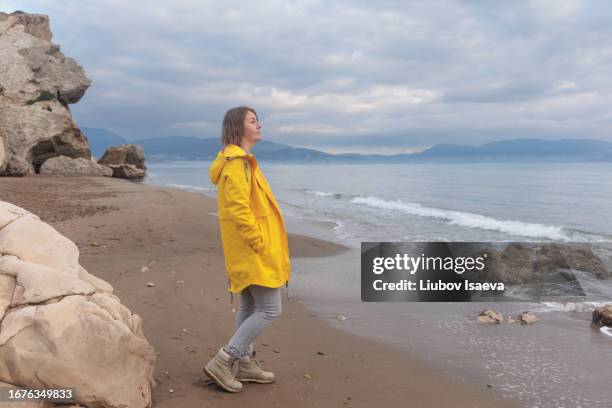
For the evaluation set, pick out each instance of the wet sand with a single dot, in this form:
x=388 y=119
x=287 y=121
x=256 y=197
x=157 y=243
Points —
x=561 y=361
x=121 y=227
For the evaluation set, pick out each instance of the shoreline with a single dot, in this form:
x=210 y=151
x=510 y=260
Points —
x=121 y=227
x=449 y=339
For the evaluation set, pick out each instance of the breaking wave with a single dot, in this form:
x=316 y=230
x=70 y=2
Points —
x=469 y=220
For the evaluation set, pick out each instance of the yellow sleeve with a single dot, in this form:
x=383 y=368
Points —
x=237 y=195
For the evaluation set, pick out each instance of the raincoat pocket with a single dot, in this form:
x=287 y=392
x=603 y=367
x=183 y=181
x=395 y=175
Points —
x=263 y=223
x=239 y=251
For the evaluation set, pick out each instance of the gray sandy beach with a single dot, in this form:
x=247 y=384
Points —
x=559 y=362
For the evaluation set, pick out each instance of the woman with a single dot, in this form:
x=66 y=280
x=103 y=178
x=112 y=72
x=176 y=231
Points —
x=255 y=248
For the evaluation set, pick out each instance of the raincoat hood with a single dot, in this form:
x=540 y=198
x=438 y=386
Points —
x=230 y=152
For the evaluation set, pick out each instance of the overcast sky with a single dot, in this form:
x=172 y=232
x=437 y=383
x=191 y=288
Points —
x=346 y=75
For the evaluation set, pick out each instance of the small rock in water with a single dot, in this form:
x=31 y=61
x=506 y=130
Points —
x=320 y=353
x=490 y=316
x=307 y=376
x=340 y=317
x=171 y=391
x=144 y=269
x=603 y=315
x=94 y=244
x=150 y=284
x=527 y=318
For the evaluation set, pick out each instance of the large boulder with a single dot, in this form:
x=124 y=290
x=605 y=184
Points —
x=522 y=263
x=37 y=83
x=124 y=154
x=512 y=265
x=127 y=171
x=576 y=256
x=66 y=166
x=60 y=326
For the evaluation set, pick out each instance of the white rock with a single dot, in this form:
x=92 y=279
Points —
x=41 y=283
x=10 y=212
x=60 y=326
x=52 y=249
x=67 y=166
x=77 y=343
x=7 y=288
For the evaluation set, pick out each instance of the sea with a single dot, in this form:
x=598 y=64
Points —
x=561 y=361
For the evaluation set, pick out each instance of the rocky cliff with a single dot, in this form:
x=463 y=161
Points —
x=37 y=83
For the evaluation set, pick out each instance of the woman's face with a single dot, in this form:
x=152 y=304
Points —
x=252 y=128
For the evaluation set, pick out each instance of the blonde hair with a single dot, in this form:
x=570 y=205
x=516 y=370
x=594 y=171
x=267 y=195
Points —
x=233 y=125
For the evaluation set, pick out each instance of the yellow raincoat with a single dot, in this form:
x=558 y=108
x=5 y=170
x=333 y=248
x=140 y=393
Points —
x=252 y=228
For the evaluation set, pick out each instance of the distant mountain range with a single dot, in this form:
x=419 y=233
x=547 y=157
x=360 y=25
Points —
x=514 y=150
x=100 y=139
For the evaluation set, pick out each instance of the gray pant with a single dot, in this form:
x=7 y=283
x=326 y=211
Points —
x=258 y=307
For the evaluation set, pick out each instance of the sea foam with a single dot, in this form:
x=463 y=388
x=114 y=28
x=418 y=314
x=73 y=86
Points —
x=466 y=219
x=189 y=187
x=318 y=193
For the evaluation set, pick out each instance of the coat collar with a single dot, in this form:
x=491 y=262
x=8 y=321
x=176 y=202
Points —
x=232 y=150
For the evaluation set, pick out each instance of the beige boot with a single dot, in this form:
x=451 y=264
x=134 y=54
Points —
x=249 y=370
x=220 y=369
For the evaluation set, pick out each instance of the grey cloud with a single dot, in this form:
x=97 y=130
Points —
x=507 y=92
x=343 y=74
